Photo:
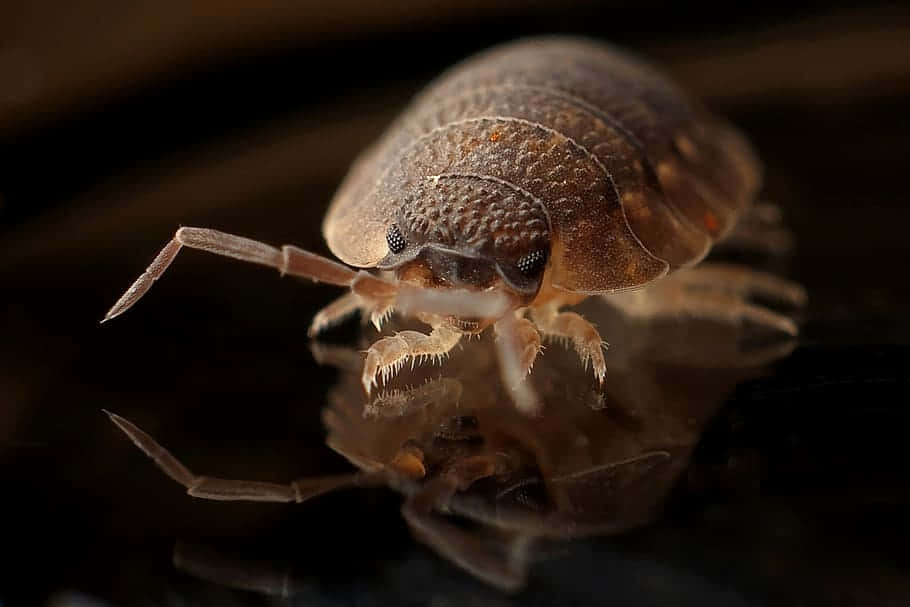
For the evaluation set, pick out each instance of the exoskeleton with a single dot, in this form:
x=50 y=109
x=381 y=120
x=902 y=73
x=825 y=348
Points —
x=522 y=181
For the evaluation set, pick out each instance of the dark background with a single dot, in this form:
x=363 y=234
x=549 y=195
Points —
x=120 y=122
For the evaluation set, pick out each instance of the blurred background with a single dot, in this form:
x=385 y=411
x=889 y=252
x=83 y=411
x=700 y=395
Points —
x=121 y=121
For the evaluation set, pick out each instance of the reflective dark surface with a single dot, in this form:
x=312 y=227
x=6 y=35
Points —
x=796 y=492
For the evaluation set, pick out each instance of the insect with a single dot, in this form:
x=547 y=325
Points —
x=523 y=181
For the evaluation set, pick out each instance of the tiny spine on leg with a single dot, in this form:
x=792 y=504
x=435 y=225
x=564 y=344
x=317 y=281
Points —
x=571 y=326
x=517 y=345
x=335 y=312
x=388 y=355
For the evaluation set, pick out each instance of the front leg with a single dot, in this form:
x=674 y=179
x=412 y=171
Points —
x=571 y=327
x=517 y=345
x=386 y=356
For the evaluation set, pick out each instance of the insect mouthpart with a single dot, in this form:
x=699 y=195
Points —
x=467 y=325
x=436 y=267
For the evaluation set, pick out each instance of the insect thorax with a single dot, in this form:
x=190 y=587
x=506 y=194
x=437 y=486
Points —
x=474 y=215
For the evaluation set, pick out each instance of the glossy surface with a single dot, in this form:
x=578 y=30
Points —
x=592 y=462
x=796 y=493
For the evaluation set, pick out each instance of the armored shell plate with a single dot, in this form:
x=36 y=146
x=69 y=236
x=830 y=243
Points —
x=634 y=177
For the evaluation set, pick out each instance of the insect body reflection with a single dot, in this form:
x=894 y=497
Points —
x=483 y=482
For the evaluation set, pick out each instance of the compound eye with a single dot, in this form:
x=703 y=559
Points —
x=396 y=241
x=531 y=264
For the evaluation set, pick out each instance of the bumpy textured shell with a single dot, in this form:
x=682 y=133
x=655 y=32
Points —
x=635 y=178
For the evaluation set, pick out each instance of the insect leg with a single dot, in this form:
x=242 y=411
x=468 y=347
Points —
x=270 y=579
x=212 y=488
x=335 y=312
x=572 y=327
x=288 y=260
x=715 y=292
x=386 y=356
x=498 y=562
x=759 y=229
x=443 y=392
x=501 y=562
x=518 y=344
x=743 y=282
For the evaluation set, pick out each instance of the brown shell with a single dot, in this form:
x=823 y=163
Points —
x=636 y=178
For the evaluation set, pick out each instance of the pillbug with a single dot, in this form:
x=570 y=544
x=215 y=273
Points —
x=522 y=181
